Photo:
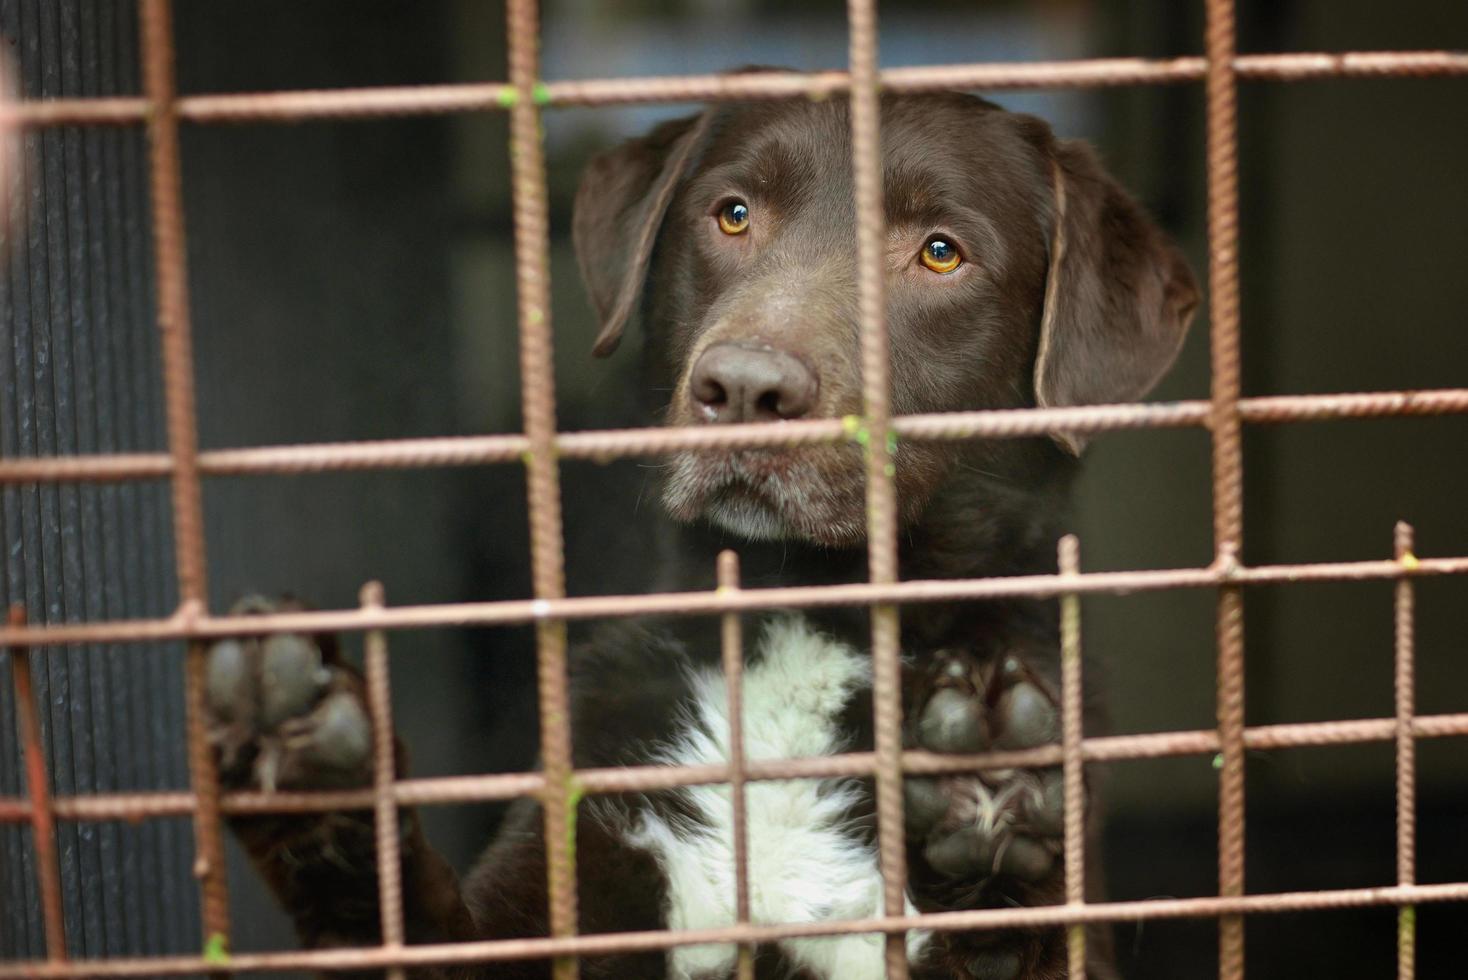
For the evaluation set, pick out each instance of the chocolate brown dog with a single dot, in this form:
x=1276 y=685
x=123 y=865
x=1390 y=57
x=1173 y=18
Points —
x=1018 y=274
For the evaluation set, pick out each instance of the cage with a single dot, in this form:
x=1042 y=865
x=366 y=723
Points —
x=282 y=314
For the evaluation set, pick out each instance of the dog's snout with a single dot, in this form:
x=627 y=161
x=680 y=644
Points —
x=742 y=382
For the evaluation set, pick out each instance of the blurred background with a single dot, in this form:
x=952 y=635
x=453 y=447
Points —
x=353 y=280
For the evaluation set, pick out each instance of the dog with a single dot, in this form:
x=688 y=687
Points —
x=1019 y=274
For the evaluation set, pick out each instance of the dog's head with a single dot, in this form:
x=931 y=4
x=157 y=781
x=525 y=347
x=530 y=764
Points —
x=1018 y=273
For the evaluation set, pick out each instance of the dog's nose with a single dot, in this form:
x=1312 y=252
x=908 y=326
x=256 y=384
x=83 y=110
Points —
x=743 y=382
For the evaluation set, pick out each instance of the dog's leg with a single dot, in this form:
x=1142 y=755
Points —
x=619 y=889
x=994 y=838
x=287 y=713
x=629 y=687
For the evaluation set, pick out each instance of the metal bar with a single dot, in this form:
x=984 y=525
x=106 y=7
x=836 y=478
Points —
x=452 y=790
x=881 y=492
x=1073 y=765
x=1404 y=684
x=190 y=625
x=166 y=187
x=92 y=467
x=385 y=807
x=1221 y=85
x=386 y=101
x=732 y=649
x=610 y=444
x=1033 y=917
x=538 y=400
x=39 y=809
x=166 y=192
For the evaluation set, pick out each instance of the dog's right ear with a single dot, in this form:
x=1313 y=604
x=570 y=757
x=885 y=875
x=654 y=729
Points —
x=1118 y=299
x=620 y=205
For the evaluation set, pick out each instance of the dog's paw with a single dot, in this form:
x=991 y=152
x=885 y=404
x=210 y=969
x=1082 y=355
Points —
x=282 y=715
x=1004 y=824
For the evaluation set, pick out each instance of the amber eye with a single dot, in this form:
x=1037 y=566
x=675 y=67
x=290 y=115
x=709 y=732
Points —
x=941 y=255
x=734 y=218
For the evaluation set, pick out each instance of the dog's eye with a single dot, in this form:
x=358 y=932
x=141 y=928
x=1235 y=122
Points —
x=734 y=218
x=941 y=255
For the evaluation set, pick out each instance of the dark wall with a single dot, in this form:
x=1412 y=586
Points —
x=79 y=373
x=1355 y=222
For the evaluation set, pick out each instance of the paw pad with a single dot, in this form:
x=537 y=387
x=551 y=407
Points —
x=995 y=965
x=281 y=715
x=995 y=823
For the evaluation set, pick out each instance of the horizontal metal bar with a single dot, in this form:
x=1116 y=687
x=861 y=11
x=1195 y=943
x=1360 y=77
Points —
x=191 y=623
x=116 y=110
x=628 y=942
x=451 y=790
x=412 y=100
x=90 y=468
x=1082 y=73
x=609 y=444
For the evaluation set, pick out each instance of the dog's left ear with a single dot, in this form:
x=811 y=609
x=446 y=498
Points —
x=620 y=204
x=1119 y=295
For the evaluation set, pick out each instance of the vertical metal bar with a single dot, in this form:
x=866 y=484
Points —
x=43 y=820
x=538 y=399
x=866 y=161
x=732 y=648
x=1074 y=773
x=1405 y=684
x=385 y=810
x=166 y=190
x=1228 y=476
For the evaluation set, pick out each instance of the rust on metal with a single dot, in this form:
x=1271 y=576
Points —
x=731 y=647
x=450 y=790
x=418 y=100
x=188 y=625
x=166 y=192
x=1036 y=917
x=881 y=491
x=607 y=445
x=1072 y=761
x=1226 y=426
x=384 y=774
x=1404 y=685
x=39 y=809
x=542 y=471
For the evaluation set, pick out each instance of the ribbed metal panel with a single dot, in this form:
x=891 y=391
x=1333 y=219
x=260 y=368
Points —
x=79 y=373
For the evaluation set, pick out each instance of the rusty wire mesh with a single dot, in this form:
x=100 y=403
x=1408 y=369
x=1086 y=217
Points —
x=161 y=110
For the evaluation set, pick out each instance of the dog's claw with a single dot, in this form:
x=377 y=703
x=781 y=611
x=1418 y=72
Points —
x=998 y=823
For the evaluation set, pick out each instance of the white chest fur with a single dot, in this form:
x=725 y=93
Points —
x=805 y=863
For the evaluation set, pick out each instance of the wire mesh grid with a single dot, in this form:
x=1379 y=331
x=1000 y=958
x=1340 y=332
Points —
x=557 y=785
